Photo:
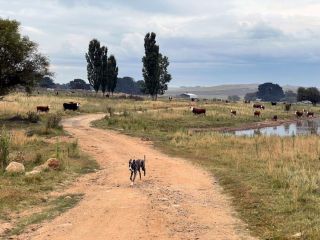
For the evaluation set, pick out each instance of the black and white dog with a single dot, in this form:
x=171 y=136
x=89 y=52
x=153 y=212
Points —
x=135 y=166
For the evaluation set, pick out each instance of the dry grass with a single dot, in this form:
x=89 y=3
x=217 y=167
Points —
x=275 y=181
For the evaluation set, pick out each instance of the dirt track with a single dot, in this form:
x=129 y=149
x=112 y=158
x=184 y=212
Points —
x=176 y=200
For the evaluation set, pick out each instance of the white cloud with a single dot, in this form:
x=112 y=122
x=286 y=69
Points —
x=201 y=35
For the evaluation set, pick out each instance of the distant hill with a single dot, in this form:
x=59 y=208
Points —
x=221 y=91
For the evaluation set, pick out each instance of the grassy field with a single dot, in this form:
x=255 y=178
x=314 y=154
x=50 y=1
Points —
x=275 y=181
x=32 y=143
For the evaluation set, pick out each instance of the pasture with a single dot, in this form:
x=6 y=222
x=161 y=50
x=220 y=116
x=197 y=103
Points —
x=274 y=181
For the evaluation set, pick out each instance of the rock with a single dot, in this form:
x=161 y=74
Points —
x=297 y=235
x=33 y=172
x=41 y=168
x=68 y=198
x=53 y=163
x=15 y=167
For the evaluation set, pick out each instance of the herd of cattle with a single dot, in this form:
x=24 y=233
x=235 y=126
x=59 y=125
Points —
x=257 y=111
x=66 y=106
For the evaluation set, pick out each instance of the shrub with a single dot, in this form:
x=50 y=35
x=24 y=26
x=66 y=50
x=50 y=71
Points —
x=110 y=110
x=33 y=117
x=4 y=147
x=73 y=149
x=287 y=107
x=53 y=121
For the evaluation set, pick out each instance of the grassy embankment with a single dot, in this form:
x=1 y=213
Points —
x=275 y=181
x=24 y=199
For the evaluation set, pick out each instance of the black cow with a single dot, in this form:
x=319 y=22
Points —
x=71 y=106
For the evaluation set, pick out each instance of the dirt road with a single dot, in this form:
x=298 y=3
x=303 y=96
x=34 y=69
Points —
x=176 y=200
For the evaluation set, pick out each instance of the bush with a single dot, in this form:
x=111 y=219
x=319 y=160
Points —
x=53 y=121
x=4 y=148
x=110 y=110
x=73 y=149
x=33 y=117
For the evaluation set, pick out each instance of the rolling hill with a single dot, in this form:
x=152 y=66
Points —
x=221 y=91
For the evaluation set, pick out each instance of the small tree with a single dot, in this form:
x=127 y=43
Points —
x=112 y=74
x=151 y=65
x=47 y=82
x=4 y=148
x=94 y=66
x=309 y=94
x=104 y=64
x=20 y=62
x=270 y=92
x=155 y=68
x=164 y=77
x=290 y=96
x=79 y=84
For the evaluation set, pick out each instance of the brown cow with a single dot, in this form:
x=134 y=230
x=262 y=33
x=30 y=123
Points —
x=258 y=106
x=275 y=118
x=43 y=108
x=310 y=114
x=198 y=111
x=233 y=113
x=299 y=114
x=257 y=113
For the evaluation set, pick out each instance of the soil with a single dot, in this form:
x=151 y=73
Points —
x=175 y=200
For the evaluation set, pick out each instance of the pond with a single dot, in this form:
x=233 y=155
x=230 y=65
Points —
x=302 y=127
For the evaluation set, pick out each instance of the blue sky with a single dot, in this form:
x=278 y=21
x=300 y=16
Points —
x=208 y=42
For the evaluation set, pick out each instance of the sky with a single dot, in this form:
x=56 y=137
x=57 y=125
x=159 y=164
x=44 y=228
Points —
x=208 y=42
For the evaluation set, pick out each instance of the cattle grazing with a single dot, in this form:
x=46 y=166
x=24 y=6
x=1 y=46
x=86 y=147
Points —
x=198 y=111
x=310 y=114
x=258 y=106
x=274 y=103
x=227 y=101
x=257 y=113
x=275 y=118
x=135 y=166
x=298 y=114
x=43 y=108
x=71 y=106
x=233 y=113
x=107 y=95
x=170 y=98
x=247 y=101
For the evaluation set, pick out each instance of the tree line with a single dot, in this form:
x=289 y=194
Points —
x=102 y=71
x=274 y=92
x=22 y=65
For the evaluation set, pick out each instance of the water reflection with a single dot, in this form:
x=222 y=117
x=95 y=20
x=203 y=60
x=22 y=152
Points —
x=303 y=127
